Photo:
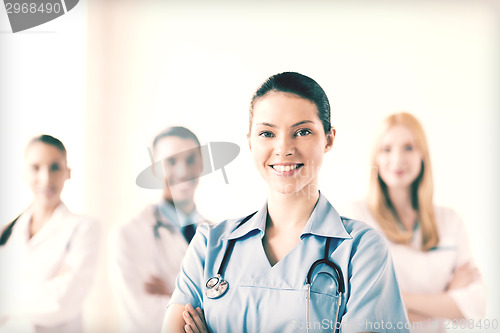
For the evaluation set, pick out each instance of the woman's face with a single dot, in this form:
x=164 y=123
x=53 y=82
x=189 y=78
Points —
x=287 y=141
x=46 y=171
x=398 y=160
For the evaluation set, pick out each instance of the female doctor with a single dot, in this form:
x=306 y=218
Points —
x=47 y=255
x=429 y=243
x=268 y=281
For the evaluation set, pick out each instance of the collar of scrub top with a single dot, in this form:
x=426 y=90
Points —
x=416 y=237
x=175 y=217
x=314 y=226
x=401 y=226
x=324 y=222
x=170 y=217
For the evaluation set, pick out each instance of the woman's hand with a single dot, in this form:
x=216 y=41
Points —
x=463 y=276
x=194 y=319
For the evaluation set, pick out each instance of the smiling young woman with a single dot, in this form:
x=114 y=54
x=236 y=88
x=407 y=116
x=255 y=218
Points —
x=429 y=243
x=261 y=273
x=48 y=255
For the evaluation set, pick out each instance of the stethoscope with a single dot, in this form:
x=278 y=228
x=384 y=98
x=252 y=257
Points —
x=338 y=279
x=217 y=286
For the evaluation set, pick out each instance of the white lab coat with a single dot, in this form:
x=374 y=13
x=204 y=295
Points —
x=431 y=271
x=45 y=279
x=135 y=255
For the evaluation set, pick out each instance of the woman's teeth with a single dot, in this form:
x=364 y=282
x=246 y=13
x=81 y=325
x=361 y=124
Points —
x=285 y=168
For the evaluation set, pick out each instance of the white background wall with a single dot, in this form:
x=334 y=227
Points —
x=106 y=78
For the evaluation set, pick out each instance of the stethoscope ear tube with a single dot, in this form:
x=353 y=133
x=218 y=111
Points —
x=337 y=326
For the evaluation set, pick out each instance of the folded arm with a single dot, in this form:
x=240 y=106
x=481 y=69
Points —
x=174 y=321
x=141 y=297
x=442 y=305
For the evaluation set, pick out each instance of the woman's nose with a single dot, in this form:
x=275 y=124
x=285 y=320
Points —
x=396 y=156
x=43 y=176
x=284 y=147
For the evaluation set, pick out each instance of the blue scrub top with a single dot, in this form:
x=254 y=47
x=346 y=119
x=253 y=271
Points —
x=265 y=298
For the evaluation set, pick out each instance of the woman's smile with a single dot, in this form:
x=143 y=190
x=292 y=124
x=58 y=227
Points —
x=288 y=141
x=286 y=169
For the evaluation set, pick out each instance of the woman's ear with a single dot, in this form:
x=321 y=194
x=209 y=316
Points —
x=330 y=137
x=68 y=173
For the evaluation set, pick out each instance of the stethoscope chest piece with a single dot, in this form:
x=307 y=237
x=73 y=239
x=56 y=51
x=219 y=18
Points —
x=216 y=287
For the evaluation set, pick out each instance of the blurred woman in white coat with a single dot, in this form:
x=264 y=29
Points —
x=48 y=255
x=434 y=266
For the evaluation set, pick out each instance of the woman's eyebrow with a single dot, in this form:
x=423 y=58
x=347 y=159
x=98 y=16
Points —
x=266 y=124
x=294 y=125
x=302 y=123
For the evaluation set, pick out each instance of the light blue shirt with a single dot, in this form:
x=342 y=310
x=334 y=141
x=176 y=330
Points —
x=175 y=217
x=265 y=298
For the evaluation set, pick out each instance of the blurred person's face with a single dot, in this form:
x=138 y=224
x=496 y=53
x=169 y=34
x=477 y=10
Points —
x=287 y=141
x=399 y=160
x=182 y=166
x=45 y=172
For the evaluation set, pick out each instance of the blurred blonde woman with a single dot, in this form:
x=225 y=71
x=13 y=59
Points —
x=48 y=255
x=429 y=243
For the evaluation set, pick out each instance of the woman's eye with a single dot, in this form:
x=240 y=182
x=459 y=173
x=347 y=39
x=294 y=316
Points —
x=303 y=132
x=55 y=167
x=266 y=134
x=408 y=148
x=386 y=149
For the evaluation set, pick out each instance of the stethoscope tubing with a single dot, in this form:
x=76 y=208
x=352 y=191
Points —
x=230 y=247
x=325 y=260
